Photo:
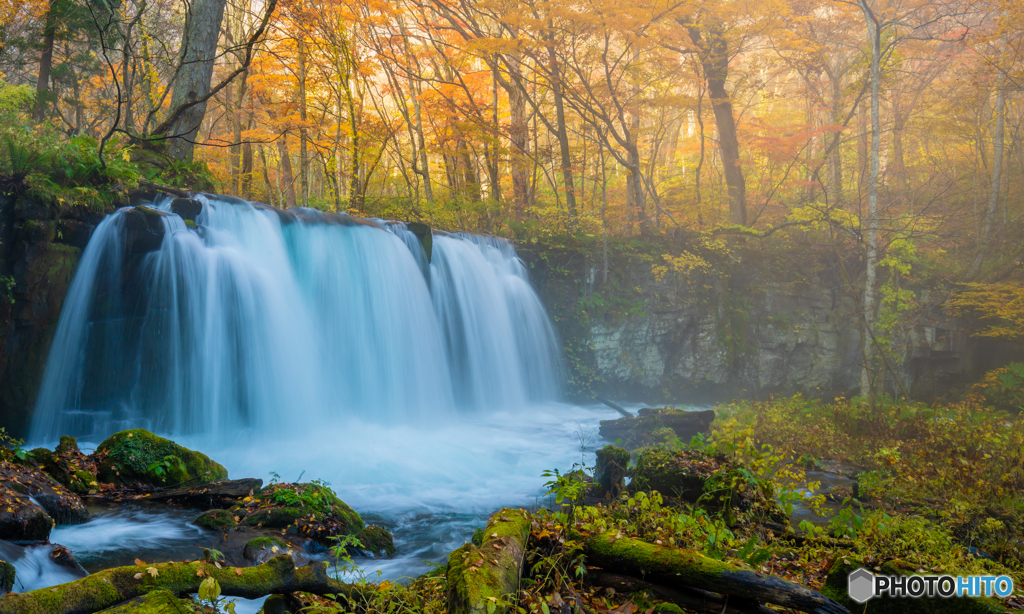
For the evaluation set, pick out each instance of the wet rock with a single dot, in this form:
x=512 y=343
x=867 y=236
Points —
x=216 y=520
x=377 y=541
x=259 y=550
x=21 y=520
x=310 y=510
x=127 y=457
x=649 y=426
x=66 y=465
x=424 y=234
x=186 y=208
x=60 y=504
x=37 y=231
x=144 y=230
x=610 y=470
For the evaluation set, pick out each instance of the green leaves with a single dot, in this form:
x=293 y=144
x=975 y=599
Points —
x=209 y=590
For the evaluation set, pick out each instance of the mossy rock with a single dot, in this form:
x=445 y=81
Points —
x=7 y=575
x=216 y=520
x=610 y=470
x=127 y=456
x=678 y=474
x=258 y=547
x=274 y=517
x=157 y=602
x=377 y=540
x=67 y=445
x=836 y=588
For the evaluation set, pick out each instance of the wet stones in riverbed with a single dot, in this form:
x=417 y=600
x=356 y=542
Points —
x=308 y=510
x=31 y=502
x=652 y=426
x=376 y=542
x=216 y=520
x=259 y=550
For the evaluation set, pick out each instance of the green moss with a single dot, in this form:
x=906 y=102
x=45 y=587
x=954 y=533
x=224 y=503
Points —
x=67 y=445
x=157 y=602
x=126 y=456
x=488 y=574
x=376 y=540
x=216 y=520
x=7 y=576
x=255 y=545
x=274 y=517
x=679 y=474
x=191 y=224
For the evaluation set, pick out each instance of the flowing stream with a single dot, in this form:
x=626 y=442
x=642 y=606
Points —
x=313 y=346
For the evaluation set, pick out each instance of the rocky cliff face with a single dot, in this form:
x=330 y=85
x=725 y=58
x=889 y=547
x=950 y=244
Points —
x=765 y=326
x=38 y=256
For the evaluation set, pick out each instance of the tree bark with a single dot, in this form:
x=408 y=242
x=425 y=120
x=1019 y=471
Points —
x=110 y=587
x=681 y=569
x=871 y=222
x=286 y=171
x=45 y=63
x=192 y=80
x=562 y=134
x=691 y=599
x=714 y=57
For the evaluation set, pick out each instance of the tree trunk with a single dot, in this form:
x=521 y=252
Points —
x=192 y=79
x=998 y=140
x=303 y=137
x=45 y=63
x=871 y=222
x=562 y=134
x=492 y=570
x=681 y=569
x=714 y=58
x=286 y=171
x=519 y=136
x=107 y=588
x=835 y=156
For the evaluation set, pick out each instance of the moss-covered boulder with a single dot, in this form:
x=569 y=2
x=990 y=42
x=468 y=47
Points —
x=127 y=457
x=837 y=588
x=7 y=575
x=308 y=509
x=676 y=474
x=26 y=491
x=610 y=470
x=157 y=602
x=66 y=465
x=216 y=520
x=377 y=541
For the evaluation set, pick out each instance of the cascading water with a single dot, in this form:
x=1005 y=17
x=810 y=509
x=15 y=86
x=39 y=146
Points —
x=268 y=321
x=316 y=346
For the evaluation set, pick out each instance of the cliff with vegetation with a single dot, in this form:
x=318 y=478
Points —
x=678 y=320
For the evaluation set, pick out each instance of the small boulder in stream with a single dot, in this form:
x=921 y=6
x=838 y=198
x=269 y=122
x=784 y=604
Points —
x=651 y=426
x=128 y=456
x=305 y=509
x=216 y=520
x=377 y=542
x=31 y=502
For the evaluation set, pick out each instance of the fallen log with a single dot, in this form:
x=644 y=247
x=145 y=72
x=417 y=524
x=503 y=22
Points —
x=105 y=589
x=681 y=569
x=490 y=573
x=210 y=494
x=691 y=599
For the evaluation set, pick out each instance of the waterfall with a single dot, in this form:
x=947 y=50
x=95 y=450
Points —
x=255 y=319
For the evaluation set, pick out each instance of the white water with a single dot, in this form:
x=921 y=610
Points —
x=307 y=345
x=283 y=322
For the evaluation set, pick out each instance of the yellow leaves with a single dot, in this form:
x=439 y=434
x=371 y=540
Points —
x=140 y=562
x=238 y=571
x=152 y=571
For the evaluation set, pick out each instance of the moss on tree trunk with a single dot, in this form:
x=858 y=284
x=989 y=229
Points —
x=490 y=573
x=111 y=587
x=677 y=568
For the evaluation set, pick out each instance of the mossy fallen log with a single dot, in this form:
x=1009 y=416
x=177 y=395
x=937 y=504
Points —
x=111 y=587
x=490 y=573
x=691 y=599
x=678 y=569
x=157 y=602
